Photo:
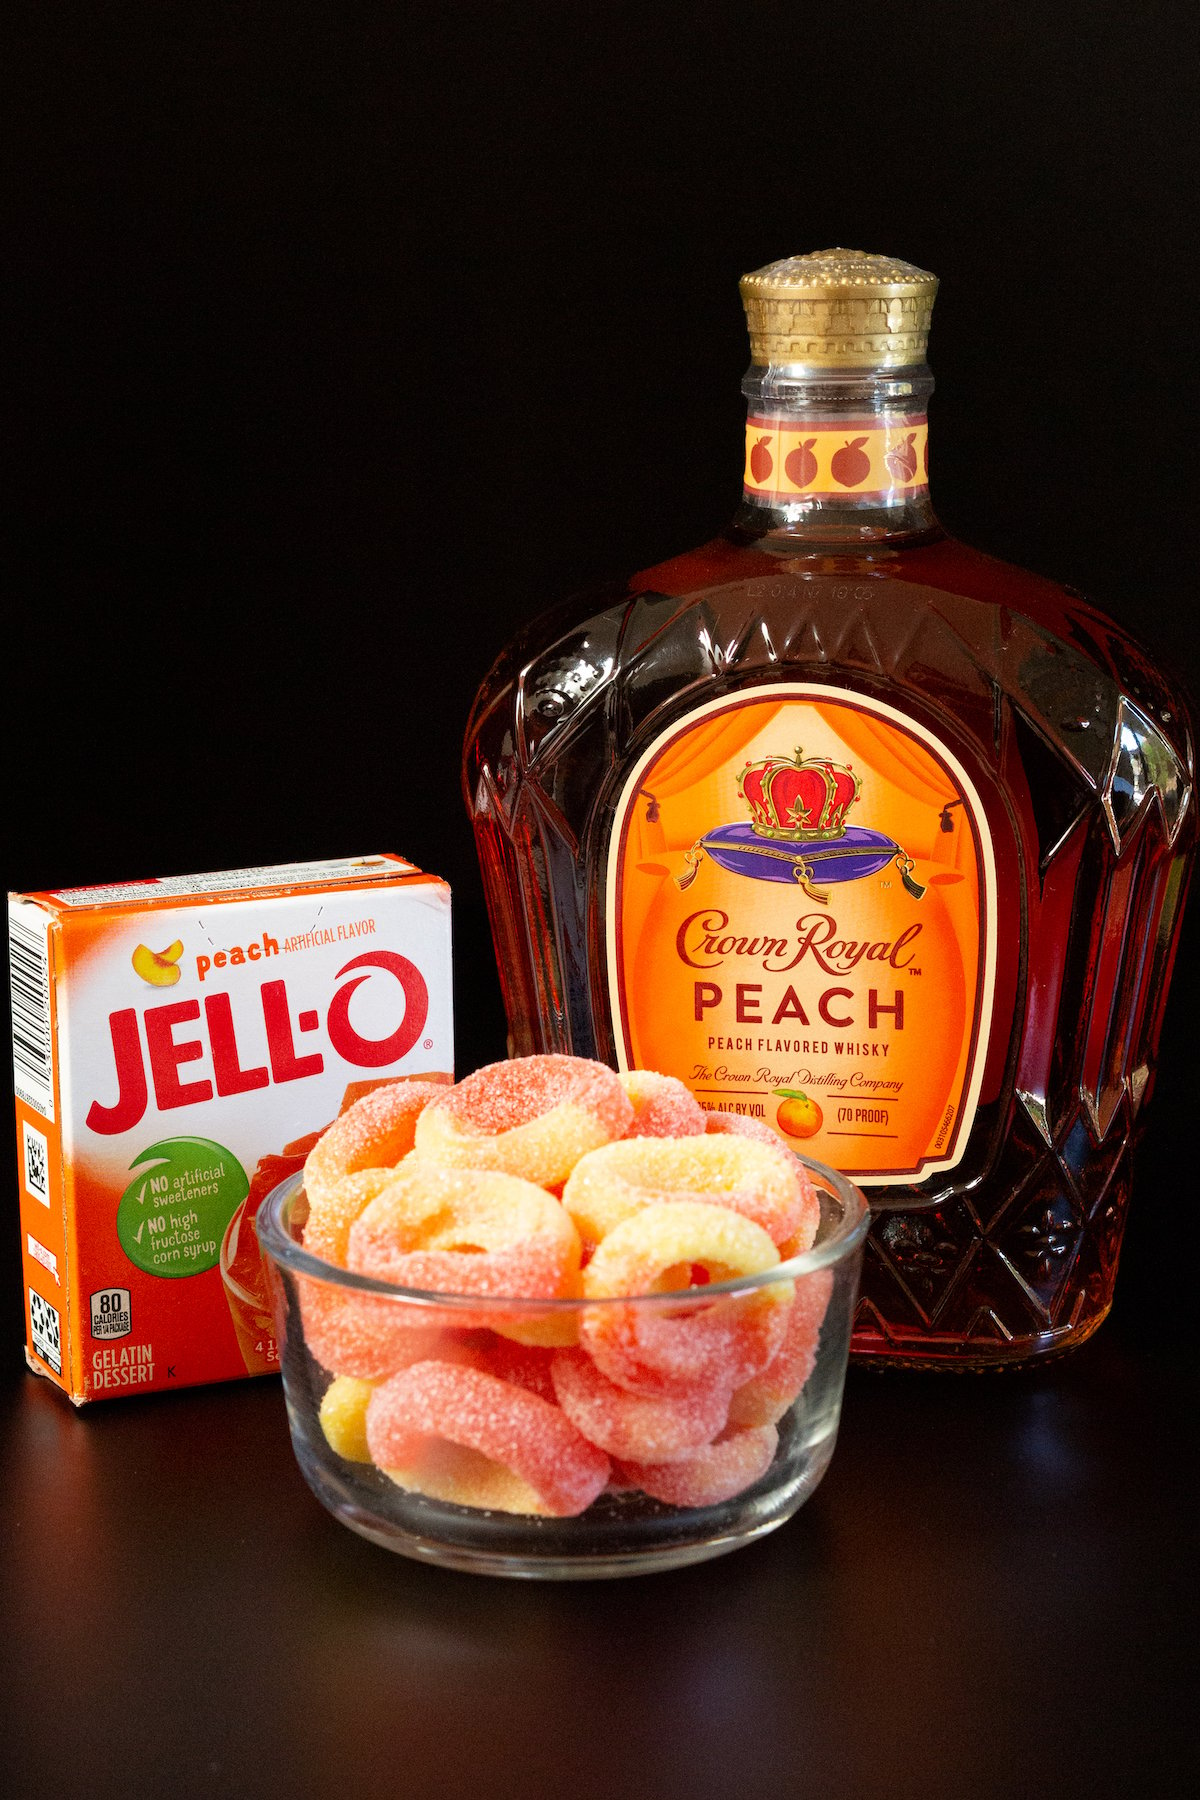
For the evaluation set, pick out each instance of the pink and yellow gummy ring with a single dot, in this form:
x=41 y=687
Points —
x=464 y=1436
x=466 y=1231
x=638 y=1427
x=765 y=1398
x=664 y=1248
x=327 y=1228
x=343 y=1417
x=759 y=1181
x=728 y=1124
x=719 y=1123
x=374 y=1133
x=533 y=1117
x=366 y=1336
x=662 y=1106
x=716 y=1472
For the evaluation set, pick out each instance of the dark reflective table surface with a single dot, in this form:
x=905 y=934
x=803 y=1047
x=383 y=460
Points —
x=992 y=1594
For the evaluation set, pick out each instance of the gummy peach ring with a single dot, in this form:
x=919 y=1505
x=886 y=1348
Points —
x=648 y=1428
x=709 y=1475
x=765 y=1398
x=343 y=1417
x=533 y=1117
x=652 y=1348
x=473 y=1231
x=369 y=1336
x=374 y=1133
x=662 y=1106
x=466 y=1231
x=465 y=1436
x=760 y=1181
x=727 y=1124
x=327 y=1228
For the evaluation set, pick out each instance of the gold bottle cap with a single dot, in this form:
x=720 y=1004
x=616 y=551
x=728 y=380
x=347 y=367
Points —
x=839 y=309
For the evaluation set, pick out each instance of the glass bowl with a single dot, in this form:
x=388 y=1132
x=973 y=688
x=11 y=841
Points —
x=774 y=1433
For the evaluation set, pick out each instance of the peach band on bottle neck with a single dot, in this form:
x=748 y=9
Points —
x=789 y=459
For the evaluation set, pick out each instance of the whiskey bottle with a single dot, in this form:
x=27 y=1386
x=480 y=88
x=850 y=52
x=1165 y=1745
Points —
x=862 y=833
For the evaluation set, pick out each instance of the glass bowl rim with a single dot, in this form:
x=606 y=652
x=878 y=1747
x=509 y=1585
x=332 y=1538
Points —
x=277 y=1243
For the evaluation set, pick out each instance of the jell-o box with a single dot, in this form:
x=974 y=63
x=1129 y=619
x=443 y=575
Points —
x=178 y=1046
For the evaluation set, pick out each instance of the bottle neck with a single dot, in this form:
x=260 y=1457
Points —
x=837 y=455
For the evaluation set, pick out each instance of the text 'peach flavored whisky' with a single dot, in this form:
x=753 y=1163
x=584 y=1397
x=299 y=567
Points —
x=864 y=835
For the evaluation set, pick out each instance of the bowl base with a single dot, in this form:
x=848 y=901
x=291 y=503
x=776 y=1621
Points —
x=552 y=1568
x=623 y=1533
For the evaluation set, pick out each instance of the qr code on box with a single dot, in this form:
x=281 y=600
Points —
x=47 y=1337
x=37 y=1163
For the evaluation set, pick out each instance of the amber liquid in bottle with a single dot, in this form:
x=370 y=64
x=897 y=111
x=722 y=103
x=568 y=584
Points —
x=1056 y=740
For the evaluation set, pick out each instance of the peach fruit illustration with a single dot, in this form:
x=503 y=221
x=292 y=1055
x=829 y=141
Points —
x=851 y=465
x=761 y=460
x=902 y=462
x=160 y=969
x=800 y=465
x=799 y=1115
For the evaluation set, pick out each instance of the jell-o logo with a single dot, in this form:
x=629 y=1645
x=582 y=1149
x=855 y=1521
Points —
x=165 y=1053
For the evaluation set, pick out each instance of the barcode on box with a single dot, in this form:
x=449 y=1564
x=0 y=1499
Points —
x=46 y=1332
x=29 y=982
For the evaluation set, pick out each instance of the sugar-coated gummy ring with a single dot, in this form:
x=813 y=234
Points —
x=468 y=1437
x=370 y=1337
x=765 y=1398
x=533 y=1117
x=659 y=1349
x=648 y=1428
x=466 y=1231
x=611 y=1184
x=643 y=1254
x=327 y=1228
x=728 y=1124
x=374 y=1133
x=708 y=1476
x=722 y=1342
x=719 y=1123
x=343 y=1417
x=526 y=1365
x=549 y=1330
x=662 y=1106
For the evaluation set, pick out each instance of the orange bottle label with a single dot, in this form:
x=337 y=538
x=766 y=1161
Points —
x=801 y=925
x=785 y=461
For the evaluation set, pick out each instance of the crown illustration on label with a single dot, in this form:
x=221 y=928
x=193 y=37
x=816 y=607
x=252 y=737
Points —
x=799 y=798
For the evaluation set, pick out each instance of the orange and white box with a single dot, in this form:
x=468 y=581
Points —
x=177 y=1046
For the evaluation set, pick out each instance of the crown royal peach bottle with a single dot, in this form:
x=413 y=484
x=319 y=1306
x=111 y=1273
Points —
x=863 y=834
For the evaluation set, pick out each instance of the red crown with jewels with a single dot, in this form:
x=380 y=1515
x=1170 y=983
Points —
x=800 y=798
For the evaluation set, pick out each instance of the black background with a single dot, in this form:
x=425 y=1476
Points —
x=339 y=341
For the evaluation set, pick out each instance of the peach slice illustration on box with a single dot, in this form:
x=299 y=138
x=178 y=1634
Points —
x=159 y=967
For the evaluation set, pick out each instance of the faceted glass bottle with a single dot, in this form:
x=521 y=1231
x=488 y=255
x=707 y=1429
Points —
x=862 y=833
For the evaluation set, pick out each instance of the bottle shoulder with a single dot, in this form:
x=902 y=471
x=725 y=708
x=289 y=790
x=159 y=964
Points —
x=936 y=563
x=945 y=622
